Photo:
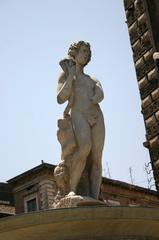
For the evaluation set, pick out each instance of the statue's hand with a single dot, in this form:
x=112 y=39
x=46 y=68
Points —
x=69 y=67
x=72 y=71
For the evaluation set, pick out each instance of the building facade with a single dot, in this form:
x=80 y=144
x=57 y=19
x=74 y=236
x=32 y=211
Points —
x=6 y=200
x=35 y=190
x=143 y=21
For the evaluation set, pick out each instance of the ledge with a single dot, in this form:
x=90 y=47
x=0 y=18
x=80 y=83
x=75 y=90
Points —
x=102 y=223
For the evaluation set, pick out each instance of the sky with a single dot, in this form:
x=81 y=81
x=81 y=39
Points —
x=35 y=35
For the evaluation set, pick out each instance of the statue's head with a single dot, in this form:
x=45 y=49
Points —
x=81 y=52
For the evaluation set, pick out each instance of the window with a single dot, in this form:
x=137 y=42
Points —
x=31 y=205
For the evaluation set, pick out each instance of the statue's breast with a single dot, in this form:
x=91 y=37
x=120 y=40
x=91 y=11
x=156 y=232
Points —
x=85 y=84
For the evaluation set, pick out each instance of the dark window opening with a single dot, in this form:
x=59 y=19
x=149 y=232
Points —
x=31 y=205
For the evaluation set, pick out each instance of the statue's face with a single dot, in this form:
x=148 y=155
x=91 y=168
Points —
x=83 y=55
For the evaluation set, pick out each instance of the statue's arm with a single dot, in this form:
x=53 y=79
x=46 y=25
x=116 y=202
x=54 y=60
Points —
x=64 y=88
x=98 y=92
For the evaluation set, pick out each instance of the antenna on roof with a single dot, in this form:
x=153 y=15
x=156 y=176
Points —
x=131 y=175
x=108 y=170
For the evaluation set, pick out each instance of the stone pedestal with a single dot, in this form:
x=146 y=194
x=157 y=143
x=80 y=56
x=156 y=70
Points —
x=77 y=200
x=84 y=223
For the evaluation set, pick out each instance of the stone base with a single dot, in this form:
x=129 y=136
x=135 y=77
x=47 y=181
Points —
x=77 y=200
x=83 y=223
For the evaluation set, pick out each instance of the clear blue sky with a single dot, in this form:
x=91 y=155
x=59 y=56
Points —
x=34 y=36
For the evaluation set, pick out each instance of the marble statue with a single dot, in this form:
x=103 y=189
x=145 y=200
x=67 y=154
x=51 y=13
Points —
x=81 y=132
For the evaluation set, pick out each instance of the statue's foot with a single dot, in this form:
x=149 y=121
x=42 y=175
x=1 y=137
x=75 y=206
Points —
x=71 y=194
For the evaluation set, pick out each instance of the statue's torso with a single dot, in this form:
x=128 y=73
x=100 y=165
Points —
x=83 y=91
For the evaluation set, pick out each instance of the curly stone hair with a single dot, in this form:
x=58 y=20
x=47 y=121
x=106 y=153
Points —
x=74 y=48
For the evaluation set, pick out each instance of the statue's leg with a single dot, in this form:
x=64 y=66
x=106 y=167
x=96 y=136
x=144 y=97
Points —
x=83 y=137
x=98 y=136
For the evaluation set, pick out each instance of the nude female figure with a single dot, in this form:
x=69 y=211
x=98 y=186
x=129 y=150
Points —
x=84 y=94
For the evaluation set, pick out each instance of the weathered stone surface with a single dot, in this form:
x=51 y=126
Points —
x=77 y=200
x=7 y=209
x=81 y=132
x=142 y=20
x=87 y=223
